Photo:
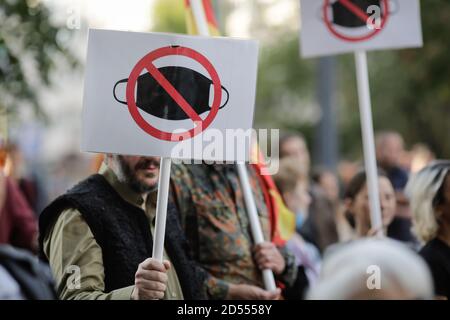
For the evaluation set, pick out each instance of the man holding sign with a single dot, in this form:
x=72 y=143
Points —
x=166 y=95
x=101 y=232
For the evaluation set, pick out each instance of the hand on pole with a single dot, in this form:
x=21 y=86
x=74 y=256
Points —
x=267 y=256
x=150 y=280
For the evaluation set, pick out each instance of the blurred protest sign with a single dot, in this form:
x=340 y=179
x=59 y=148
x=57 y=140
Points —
x=338 y=26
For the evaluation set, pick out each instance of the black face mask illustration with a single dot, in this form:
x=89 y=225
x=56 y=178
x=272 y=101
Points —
x=344 y=17
x=153 y=99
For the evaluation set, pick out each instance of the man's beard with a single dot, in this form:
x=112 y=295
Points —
x=128 y=175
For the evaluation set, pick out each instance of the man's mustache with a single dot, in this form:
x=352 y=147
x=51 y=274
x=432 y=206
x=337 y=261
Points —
x=145 y=163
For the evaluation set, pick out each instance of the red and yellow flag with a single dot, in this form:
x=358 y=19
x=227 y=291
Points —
x=210 y=18
x=282 y=219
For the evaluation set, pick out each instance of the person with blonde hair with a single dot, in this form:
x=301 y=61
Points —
x=429 y=194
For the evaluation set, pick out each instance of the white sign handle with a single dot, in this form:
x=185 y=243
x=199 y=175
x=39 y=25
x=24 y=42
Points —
x=268 y=278
x=200 y=17
x=164 y=171
x=362 y=76
x=255 y=225
x=161 y=208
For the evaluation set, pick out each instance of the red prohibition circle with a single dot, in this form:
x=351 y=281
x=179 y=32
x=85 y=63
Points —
x=147 y=63
x=342 y=36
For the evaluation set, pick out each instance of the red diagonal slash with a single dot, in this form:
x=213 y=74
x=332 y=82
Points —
x=355 y=10
x=174 y=94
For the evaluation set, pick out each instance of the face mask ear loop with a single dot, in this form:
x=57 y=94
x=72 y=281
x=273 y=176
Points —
x=228 y=97
x=114 y=91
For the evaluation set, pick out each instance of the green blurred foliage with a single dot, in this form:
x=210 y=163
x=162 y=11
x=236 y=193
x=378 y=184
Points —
x=29 y=43
x=283 y=79
x=169 y=16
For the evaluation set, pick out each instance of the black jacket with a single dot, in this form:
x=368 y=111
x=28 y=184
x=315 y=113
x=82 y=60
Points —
x=123 y=233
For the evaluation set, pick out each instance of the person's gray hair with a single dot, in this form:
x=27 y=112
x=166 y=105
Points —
x=421 y=190
x=346 y=271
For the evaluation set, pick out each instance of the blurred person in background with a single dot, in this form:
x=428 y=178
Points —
x=292 y=183
x=22 y=276
x=346 y=171
x=421 y=156
x=294 y=145
x=429 y=194
x=418 y=157
x=320 y=227
x=2 y=183
x=389 y=153
x=18 y=170
x=357 y=207
x=328 y=182
x=18 y=226
x=373 y=269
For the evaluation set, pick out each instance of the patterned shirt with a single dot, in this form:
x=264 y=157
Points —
x=214 y=217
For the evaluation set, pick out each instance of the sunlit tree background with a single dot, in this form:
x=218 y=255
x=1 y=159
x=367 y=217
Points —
x=31 y=44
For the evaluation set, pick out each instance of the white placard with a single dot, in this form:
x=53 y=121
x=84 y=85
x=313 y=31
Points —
x=338 y=26
x=143 y=92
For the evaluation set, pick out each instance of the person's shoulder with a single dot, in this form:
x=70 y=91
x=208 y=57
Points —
x=70 y=215
x=435 y=251
x=426 y=250
x=68 y=219
x=428 y=247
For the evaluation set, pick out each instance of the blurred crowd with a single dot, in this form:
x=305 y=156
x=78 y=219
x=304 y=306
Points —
x=320 y=242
